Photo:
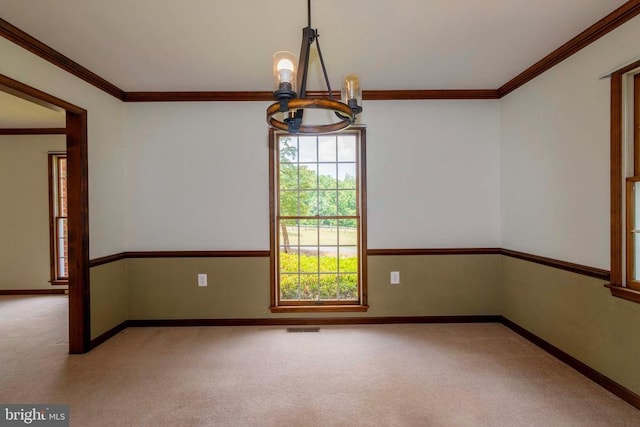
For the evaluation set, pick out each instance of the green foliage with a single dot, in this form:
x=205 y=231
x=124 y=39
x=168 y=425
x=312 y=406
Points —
x=305 y=193
x=327 y=286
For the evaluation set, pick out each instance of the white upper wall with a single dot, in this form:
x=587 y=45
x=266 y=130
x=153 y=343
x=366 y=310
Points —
x=433 y=174
x=197 y=175
x=554 y=145
x=106 y=160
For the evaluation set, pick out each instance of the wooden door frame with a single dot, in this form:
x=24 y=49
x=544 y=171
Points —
x=78 y=207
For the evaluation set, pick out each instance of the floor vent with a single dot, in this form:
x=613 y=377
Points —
x=303 y=329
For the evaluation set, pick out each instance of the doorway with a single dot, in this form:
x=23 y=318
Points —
x=78 y=209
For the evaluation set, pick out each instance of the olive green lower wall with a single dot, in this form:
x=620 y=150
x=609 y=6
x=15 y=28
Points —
x=109 y=297
x=433 y=285
x=578 y=315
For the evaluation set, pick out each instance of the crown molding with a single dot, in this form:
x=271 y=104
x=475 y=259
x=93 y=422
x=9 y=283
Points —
x=367 y=95
x=19 y=37
x=605 y=25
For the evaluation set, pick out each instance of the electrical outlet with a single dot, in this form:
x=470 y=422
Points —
x=395 y=277
x=202 y=280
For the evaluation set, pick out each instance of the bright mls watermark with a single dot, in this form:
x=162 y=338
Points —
x=34 y=415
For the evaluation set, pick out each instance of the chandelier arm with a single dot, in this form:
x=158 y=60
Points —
x=308 y=37
x=324 y=69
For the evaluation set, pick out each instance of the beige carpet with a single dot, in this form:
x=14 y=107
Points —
x=388 y=375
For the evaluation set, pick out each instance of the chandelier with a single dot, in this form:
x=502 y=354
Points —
x=287 y=113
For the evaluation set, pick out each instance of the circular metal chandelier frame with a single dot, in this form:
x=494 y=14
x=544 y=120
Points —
x=343 y=111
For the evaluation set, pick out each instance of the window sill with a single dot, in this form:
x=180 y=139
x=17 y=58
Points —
x=624 y=293
x=59 y=282
x=318 y=308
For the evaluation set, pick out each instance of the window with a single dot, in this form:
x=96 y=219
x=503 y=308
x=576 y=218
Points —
x=58 y=237
x=318 y=222
x=632 y=199
x=625 y=183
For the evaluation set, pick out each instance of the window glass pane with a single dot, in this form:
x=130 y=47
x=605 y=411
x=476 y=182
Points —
x=288 y=149
x=308 y=178
x=347 y=202
x=329 y=260
x=348 y=286
x=308 y=286
x=636 y=226
x=328 y=286
x=328 y=205
x=346 y=148
x=308 y=149
x=62 y=268
x=636 y=195
x=309 y=233
x=289 y=203
x=348 y=232
x=329 y=233
x=328 y=176
x=288 y=177
x=348 y=262
x=289 y=260
x=308 y=203
x=288 y=231
x=309 y=259
x=63 y=167
x=289 y=286
x=318 y=257
x=327 y=149
x=636 y=254
x=347 y=175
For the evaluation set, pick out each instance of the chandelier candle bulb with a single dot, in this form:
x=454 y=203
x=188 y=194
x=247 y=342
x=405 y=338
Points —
x=284 y=74
x=351 y=92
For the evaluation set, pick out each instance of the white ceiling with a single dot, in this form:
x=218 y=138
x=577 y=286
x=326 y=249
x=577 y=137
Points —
x=216 y=45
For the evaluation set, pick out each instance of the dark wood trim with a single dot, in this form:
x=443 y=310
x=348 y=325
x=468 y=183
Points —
x=19 y=37
x=364 y=292
x=607 y=24
x=320 y=308
x=195 y=96
x=623 y=292
x=616 y=178
x=284 y=321
x=273 y=252
x=107 y=259
x=434 y=251
x=109 y=334
x=595 y=376
x=78 y=228
x=33 y=291
x=177 y=254
x=34 y=131
x=197 y=254
x=78 y=207
x=21 y=90
x=367 y=95
x=562 y=265
x=52 y=239
x=395 y=95
x=62 y=282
